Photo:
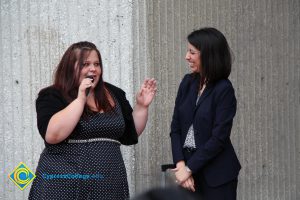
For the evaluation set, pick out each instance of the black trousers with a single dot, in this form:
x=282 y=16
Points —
x=226 y=191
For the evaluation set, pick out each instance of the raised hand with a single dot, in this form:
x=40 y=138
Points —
x=147 y=92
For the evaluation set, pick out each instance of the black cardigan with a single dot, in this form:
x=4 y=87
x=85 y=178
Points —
x=50 y=101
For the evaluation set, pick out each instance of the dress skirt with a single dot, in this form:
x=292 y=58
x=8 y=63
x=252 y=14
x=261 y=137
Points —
x=93 y=170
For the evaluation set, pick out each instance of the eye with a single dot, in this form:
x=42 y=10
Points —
x=193 y=52
x=97 y=64
x=86 y=64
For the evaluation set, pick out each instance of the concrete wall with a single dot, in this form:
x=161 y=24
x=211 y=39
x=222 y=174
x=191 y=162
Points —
x=139 y=39
x=264 y=37
x=33 y=37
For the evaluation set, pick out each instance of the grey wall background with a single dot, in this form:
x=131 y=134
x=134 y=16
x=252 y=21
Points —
x=264 y=37
x=33 y=37
x=139 y=39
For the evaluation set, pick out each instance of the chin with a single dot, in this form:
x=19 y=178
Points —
x=194 y=70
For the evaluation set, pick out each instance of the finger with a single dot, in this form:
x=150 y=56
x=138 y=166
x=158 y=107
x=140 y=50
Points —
x=193 y=188
x=154 y=90
x=140 y=92
x=143 y=86
x=174 y=170
x=86 y=84
x=187 y=182
x=192 y=180
x=153 y=85
x=186 y=185
x=152 y=82
x=146 y=81
x=89 y=78
x=191 y=185
x=149 y=85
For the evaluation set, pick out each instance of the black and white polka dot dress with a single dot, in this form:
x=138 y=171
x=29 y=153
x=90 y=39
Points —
x=92 y=170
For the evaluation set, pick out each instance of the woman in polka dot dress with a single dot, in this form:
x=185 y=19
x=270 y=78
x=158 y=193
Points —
x=83 y=120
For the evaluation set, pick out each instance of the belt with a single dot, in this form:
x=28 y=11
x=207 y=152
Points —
x=93 y=140
x=189 y=149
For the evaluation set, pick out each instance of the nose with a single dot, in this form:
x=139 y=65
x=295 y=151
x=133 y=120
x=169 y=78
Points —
x=187 y=56
x=92 y=67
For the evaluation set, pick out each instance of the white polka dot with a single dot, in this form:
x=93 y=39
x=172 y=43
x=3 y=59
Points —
x=102 y=158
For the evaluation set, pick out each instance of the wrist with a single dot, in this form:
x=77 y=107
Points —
x=141 y=106
x=187 y=169
x=81 y=100
x=180 y=164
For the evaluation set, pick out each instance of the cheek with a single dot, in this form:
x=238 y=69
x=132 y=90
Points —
x=99 y=70
x=198 y=60
x=82 y=75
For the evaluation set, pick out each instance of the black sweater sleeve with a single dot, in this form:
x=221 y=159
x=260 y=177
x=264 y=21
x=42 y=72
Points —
x=48 y=102
x=51 y=101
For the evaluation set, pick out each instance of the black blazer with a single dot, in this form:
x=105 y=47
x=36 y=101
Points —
x=212 y=119
x=50 y=101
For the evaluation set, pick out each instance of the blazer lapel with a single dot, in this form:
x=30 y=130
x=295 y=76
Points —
x=205 y=93
x=194 y=92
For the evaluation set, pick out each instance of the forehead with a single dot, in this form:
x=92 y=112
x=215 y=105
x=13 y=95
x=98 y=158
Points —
x=91 y=55
x=190 y=46
x=87 y=54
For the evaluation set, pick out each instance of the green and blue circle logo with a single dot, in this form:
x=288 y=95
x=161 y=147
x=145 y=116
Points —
x=21 y=176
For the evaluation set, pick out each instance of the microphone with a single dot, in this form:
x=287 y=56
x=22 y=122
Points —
x=87 y=91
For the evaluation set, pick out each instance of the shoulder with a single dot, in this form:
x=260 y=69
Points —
x=50 y=94
x=224 y=91
x=188 y=79
x=223 y=84
x=118 y=93
x=51 y=90
x=114 y=89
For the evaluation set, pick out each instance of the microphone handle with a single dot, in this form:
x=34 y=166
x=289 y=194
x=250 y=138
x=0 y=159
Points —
x=87 y=91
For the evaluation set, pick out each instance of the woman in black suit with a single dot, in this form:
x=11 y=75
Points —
x=203 y=115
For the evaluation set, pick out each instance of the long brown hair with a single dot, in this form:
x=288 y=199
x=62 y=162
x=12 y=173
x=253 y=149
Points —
x=66 y=76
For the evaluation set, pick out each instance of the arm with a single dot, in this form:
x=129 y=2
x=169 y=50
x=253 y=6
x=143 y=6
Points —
x=143 y=100
x=175 y=133
x=62 y=123
x=183 y=177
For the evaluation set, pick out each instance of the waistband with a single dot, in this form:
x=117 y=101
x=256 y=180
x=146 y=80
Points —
x=92 y=140
x=189 y=149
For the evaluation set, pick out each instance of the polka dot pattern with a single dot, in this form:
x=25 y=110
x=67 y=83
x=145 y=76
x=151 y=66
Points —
x=101 y=163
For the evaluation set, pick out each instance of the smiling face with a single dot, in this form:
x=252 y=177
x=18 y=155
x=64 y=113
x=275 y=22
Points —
x=193 y=58
x=91 y=67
